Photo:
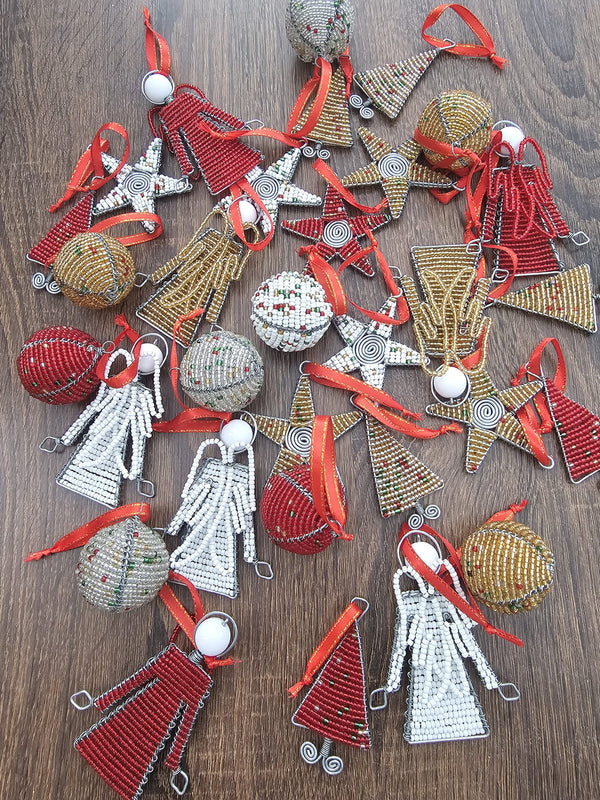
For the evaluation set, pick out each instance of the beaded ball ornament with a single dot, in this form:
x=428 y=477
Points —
x=457 y=118
x=222 y=371
x=290 y=311
x=289 y=515
x=507 y=566
x=123 y=566
x=56 y=365
x=94 y=271
x=319 y=28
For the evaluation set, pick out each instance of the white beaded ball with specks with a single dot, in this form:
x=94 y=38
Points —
x=290 y=311
x=319 y=28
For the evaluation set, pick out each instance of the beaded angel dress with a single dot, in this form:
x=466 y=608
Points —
x=442 y=704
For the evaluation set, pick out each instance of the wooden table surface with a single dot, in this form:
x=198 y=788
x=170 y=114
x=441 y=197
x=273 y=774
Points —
x=67 y=68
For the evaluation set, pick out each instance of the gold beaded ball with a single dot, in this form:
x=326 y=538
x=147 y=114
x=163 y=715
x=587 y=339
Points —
x=319 y=28
x=507 y=566
x=222 y=371
x=123 y=566
x=94 y=271
x=458 y=118
x=290 y=311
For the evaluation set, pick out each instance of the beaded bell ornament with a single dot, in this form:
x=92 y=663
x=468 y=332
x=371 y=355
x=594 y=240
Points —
x=335 y=706
x=320 y=33
x=389 y=86
x=506 y=565
x=58 y=365
x=435 y=622
x=290 y=312
x=119 y=416
x=218 y=505
x=197 y=277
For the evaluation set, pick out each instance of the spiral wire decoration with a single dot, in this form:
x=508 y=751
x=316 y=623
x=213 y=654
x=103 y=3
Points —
x=369 y=349
x=337 y=233
x=266 y=187
x=298 y=440
x=488 y=412
x=393 y=166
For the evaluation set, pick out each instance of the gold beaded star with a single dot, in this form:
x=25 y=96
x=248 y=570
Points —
x=396 y=169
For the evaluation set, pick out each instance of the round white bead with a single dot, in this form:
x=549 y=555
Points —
x=248 y=212
x=150 y=355
x=157 y=87
x=238 y=431
x=212 y=636
x=427 y=553
x=451 y=385
x=512 y=136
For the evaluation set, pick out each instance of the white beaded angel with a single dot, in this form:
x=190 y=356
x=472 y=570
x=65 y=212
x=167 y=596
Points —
x=218 y=504
x=442 y=704
x=122 y=423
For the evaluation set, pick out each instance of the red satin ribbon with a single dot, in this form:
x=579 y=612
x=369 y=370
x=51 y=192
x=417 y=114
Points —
x=325 y=486
x=82 y=535
x=239 y=191
x=486 y=48
x=532 y=369
x=507 y=514
x=326 y=647
x=158 y=54
x=395 y=422
x=319 y=83
x=131 y=238
x=229 y=136
x=90 y=163
x=329 y=175
x=471 y=609
x=190 y=420
x=129 y=373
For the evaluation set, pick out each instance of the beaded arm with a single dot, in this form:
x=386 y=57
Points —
x=117 y=693
x=398 y=655
x=73 y=432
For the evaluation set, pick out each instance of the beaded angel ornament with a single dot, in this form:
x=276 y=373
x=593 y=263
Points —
x=335 y=707
x=218 y=504
x=435 y=621
x=155 y=707
x=119 y=417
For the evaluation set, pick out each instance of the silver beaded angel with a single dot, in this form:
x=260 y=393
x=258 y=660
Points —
x=121 y=416
x=442 y=704
x=218 y=504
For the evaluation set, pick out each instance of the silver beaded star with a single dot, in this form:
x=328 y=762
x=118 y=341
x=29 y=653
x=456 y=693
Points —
x=139 y=184
x=369 y=347
x=274 y=187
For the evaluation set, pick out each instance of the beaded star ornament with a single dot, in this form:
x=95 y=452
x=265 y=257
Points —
x=335 y=707
x=218 y=504
x=118 y=420
x=435 y=621
x=197 y=277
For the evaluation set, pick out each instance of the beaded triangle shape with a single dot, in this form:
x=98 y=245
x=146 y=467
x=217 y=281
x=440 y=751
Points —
x=400 y=478
x=578 y=432
x=567 y=297
x=389 y=86
x=336 y=705
x=77 y=220
x=333 y=126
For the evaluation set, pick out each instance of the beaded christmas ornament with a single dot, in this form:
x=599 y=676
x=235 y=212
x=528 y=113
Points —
x=117 y=419
x=507 y=566
x=395 y=169
x=222 y=371
x=337 y=233
x=288 y=512
x=333 y=126
x=156 y=705
x=94 y=271
x=218 y=505
x=140 y=184
x=57 y=365
x=457 y=118
x=432 y=622
x=77 y=220
x=123 y=566
x=335 y=707
x=319 y=28
x=294 y=435
x=450 y=321
x=567 y=297
x=290 y=312
x=488 y=412
x=197 y=277
x=274 y=187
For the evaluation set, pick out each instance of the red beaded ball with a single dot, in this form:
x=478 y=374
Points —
x=289 y=514
x=57 y=365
